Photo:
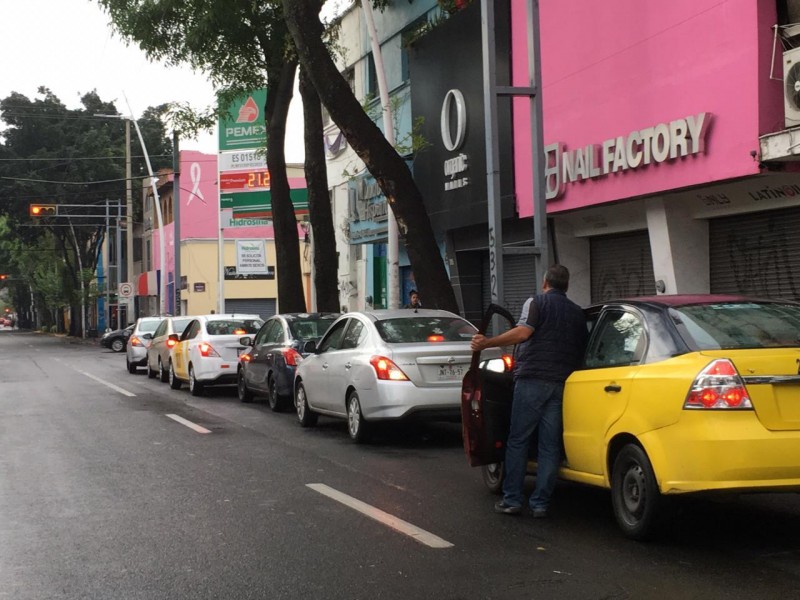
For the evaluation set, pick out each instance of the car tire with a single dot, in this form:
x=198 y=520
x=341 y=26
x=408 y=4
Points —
x=634 y=493
x=357 y=426
x=118 y=345
x=163 y=374
x=274 y=400
x=245 y=395
x=174 y=382
x=195 y=387
x=306 y=416
x=151 y=373
x=131 y=367
x=493 y=475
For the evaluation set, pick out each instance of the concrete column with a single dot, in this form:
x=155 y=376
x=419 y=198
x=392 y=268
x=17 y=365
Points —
x=573 y=253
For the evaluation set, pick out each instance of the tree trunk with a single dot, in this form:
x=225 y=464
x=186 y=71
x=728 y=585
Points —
x=381 y=159
x=287 y=246
x=326 y=265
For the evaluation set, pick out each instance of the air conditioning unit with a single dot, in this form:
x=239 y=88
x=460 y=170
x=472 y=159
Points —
x=791 y=87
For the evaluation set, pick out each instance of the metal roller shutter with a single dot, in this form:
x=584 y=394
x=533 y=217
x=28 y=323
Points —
x=263 y=307
x=519 y=278
x=621 y=266
x=756 y=254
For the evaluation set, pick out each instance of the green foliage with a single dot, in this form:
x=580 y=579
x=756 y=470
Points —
x=53 y=328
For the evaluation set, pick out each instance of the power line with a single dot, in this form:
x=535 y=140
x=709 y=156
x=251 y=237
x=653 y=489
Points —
x=72 y=158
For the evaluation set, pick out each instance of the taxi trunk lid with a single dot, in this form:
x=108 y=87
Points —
x=772 y=379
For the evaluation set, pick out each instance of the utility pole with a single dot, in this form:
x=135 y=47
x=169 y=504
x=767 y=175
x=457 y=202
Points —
x=80 y=277
x=176 y=212
x=119 y=261
x=128 y=221
x=107 y=272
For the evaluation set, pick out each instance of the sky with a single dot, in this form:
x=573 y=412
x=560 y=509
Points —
x=70 y=47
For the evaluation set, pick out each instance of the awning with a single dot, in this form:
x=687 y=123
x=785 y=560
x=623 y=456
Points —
x=147 y=284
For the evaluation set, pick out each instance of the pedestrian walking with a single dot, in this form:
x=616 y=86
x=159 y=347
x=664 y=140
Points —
x=550 y=337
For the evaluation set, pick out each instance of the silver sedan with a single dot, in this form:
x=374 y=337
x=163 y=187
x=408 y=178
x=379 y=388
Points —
x=385 y=364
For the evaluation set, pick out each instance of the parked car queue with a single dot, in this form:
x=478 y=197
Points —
x=675 y=396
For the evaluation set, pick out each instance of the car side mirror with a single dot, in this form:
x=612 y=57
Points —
x=174 y=337
x=310 y=347
x=147 y=336
x=246 y=341
x=126 y=333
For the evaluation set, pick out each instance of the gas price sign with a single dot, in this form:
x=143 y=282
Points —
x=244 y=181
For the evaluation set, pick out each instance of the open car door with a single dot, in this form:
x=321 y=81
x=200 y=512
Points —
x=486 y=393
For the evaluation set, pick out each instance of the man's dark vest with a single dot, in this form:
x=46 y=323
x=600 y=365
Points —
x=556 y=347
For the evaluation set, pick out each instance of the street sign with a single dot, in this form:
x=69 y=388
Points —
x=125 y=290
x=244 y=125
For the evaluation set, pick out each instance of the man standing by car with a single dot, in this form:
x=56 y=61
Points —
x=551 y=334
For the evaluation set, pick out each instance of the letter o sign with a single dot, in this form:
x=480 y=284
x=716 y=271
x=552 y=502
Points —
x=461 y=120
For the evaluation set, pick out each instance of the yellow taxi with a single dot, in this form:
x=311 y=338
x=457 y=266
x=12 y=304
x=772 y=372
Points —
x=676 y=395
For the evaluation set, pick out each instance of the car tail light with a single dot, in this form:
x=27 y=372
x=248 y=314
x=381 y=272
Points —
x=718 y=386
x=135 y=341
x=385 y=369
x=435 y=338
x=292 y=357
x=206 y=349
x=246 y=357
x=239 y=332
x=171 y=343
x=508 y=361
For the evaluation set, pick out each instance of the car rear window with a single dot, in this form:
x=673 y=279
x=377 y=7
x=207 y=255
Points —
x=733 y=325
x=310 y=329
x=234 y=326
x=148 y=326
x=425 y=329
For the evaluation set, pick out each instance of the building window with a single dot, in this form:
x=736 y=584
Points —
x=372 y=76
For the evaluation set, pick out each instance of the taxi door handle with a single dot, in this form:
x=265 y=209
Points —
x=613 y=388
x=325 y=365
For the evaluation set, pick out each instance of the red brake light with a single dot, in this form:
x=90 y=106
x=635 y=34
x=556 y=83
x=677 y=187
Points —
x=508 y=361
x=435 y=338
x=135 y=341
x=171 y=343
x=718 y=386
x=246 y=357
x=292 y=357
x=239 y=332
x=206 y=349
x=385 y=369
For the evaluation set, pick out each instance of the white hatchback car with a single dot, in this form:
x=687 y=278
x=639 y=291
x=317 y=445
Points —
x=385 y=364
x=139 y=342
x=207 y=352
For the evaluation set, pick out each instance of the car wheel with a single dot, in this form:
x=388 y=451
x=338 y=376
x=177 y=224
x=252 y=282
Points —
x=275 y=402
x=151 y=373
x=493 y=477
x=245 y=395
x=118 y=345
x=357 y=426
x=195 y=387
x=174 y=382
x=306 y=416
x=131 y=367
x=634 y=493
x=163 y=374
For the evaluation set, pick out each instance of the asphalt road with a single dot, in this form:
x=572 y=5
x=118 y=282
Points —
x=102 y=495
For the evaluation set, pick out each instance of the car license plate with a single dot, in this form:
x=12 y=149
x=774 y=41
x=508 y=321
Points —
x=450 y=372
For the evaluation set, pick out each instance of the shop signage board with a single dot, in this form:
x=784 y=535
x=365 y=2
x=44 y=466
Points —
x=258 y=205
x=251 y=256
x=243 y=160
x=243 y=125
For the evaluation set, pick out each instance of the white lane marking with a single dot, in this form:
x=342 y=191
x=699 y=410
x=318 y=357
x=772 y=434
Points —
x=385 y=518
x=189 y=424
x=116 y=388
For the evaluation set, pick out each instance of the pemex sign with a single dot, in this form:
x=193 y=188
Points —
x=242 y=125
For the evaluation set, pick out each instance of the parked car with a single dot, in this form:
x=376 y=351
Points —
x=676 y=395
x=207 y=352
x=383 y=365
x=267 y=367
x=139 y=341
x=117 y=339
x=164 y=339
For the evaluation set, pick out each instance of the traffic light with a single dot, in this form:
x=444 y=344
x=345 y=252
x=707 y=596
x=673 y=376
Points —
x=43 y=210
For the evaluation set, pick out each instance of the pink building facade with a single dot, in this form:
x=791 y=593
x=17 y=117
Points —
x=656 y=117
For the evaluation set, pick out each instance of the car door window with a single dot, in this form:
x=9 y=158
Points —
x=191 y=331
x=618 y=340
x=333 y=339
x=275 y=333
x=262 y=334
x=161 y=329
x=354 y=336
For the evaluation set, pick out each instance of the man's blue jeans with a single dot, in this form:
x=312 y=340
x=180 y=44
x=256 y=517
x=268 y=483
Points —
x=536 y=402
